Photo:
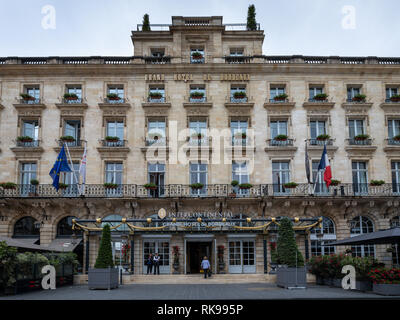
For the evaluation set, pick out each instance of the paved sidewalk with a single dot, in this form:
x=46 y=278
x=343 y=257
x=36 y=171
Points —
x=194 y=292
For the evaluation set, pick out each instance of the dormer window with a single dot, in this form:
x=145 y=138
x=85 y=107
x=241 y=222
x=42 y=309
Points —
x=157 y=53
x=236 y=52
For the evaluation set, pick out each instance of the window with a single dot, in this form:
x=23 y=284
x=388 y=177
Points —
x=200 y=98
x=197 y=55
x=276 y=91
x=396 y=176
x=236 y=52
x=33 y=91
x=157 y=246
x=395 y=222
x=74 y=89
x=317 y=127
x=114 y=220
x=361 y=225
x=118 y=90
x=238 y=89
x=155 y=132
x=318 y=177
x=156 y=93
x=394 y=128
x=242 y=256
x=198 y=174
x=157 y=52
x=73 y=128
x=25 y=227
x=198 y=131
x=115 y=129
x=240 y=173
x=114 y=173
x=28 y=172
x=278 y=127
x=313 y=91
x=390 y=91
x=360 y=177
x=280 y=176
x=352 y=92
x=156 y=175
x=30 y=128
x=356 y=127
x=64 y=227
x=239 y=132
x=320 y=244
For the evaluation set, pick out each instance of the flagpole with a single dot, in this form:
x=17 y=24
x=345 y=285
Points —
x=72 y=167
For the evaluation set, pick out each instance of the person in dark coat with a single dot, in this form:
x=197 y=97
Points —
x=149 y=263
x=156 y=263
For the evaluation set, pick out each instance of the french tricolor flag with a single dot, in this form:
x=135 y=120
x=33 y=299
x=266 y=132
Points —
x=324 y=165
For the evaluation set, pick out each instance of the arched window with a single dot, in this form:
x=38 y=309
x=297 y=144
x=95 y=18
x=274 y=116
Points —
x=321 y=237
x=395 y=222
x=64 y=227
x=25 y=227
x=117 y=218
x=361 y=225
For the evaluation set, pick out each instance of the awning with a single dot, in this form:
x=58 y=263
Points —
x=64 y=244
x=379 y=237
x=26 y=243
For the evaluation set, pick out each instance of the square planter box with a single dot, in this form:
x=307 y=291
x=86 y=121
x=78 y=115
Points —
x=363 y=285
x=286 y=277
x=386 y=289
x=103 y=278
x=337 y=282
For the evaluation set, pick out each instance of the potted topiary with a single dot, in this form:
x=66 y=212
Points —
x=67 y=138
x=113 y=96
x=359 y=98
x=196 y=55
x=292 y=273
x=150 y=186
x=234 y=184
x=26 y=97
x=197 y=186
x=34 y=182
x=8 y=274
x=281 y=137
x=175 y=264
x=395 y=98
x=377 y=182
x=196 y=95
x=323 y=137
x=62 y=186
x=104 y=275
x=24 y=139
x=290 y=185
x=281 y=97
x=239 y=95
x=320 y=97
x=70 y=96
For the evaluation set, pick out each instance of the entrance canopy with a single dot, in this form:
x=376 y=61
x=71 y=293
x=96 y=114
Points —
x=379 y=237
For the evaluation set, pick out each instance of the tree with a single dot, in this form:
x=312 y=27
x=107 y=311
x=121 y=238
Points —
x=251 y=18
x=287 y=246
x=146 y=23
x=7 y=265
x=104 y=257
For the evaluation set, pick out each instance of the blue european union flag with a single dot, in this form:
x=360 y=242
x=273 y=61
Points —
x=61 y=165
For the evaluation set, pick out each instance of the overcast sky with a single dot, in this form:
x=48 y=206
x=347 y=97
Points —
x=103 y=27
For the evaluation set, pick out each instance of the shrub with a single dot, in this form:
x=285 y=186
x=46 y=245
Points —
x=359 y=97
x=8 y=185
x=146 y=23
x=245 y=185
x=384 y=276
x=281 y=96
x=67 y=138
x=7 y=265
x=109 y=185
x=251 y=18
x=281 y=137
x=290 y=185
x=234 y=183
x=323 y=137
x=197 y=185
x=104 y=257
x=111 y=138
x=150 y=185
x=113 y=96
x=320 y=96
x=239 y=94
x=70 y=96
x=287 y=247
x=361 y=137
x=335 y=182
x=34 y=182
x=377 y=182
x=26 y=96
x=24 y=139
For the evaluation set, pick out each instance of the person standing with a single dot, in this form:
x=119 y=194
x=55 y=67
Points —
x=205 y=265
x=149 y=263
x=156 y=263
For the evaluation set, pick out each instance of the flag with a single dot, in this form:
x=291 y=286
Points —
x=61 y=165
x=324 y=165
x=82 y=170
x=307 y=162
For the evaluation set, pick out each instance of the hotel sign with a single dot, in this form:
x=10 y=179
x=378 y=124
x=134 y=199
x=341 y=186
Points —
x=206 y=77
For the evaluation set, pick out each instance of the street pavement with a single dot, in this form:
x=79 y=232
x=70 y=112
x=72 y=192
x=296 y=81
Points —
x=242 y=291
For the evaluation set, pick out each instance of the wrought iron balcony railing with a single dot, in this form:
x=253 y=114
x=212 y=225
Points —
x=72 y=101
x=28 y=144
x=113 y=144
x=391 y=101
x=156 y=100
x=393 y=142
x=318 y=142
x=30 y=101
x=157 y=60
x=213 y=190
x=238 y=59
x=197 y=100
x=75 y=143
x=195 y=141
x=280 y=143
x=114 y=101
x=359 y=142
x=239 y=100
x=201 y=60
x=278 y=100
x=161 y=141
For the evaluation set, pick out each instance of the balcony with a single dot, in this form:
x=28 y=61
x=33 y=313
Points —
x=356 y=147
x=352 y=106
x=280 y=143
x=113 y=149
x=157 y=60
x=392 y=146
x=238 y=59
x=198 y=105
x=318 y=142
x=28 y=144
x=280 y=148
x=279 y=104
x=391 y=105
x=358 y=142
x=27 y=149
x=321 y=104
x=239 y=104
x=69 y=104
x=29 y=104
x=110 y=106
x=344 y=190
x=156 y=106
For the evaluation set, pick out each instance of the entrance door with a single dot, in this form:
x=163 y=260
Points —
x=162 y=248
x=195 y=253
x=242 y=256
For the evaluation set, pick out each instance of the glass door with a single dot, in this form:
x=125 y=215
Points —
x=360 y=178
x=242 y=256
x=198 y=174
x=157 y=176
x=72 y=181
x=162 y=248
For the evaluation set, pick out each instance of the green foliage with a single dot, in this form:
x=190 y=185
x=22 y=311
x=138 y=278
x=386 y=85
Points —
x=385 y=276
x=359 y=97
x=320 y=96
x=377 y=182
x=105 y=258
x=71 y=96
x=111 y=138
x=24 y=139
x=361 y=137
x=290 y=185
x=8 y=185
x=239 y=94
x=34 y=182
x=26 y=96
x=287 y=247
x=323 y=137
x=234 y=183
x=274 y=253
x=335 y=182
x=281 y=96
x=197 y=185
x=251 y=18
x=146 y=23
x=65 y=258
x=197 y=94
x=109 y=185
x=281 y=137
x=7 y=264
x=27 y=260
x=150 y=185
x=67 y=138
x=245 y=185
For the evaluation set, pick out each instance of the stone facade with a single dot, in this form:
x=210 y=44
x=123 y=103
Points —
x=174 y=72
